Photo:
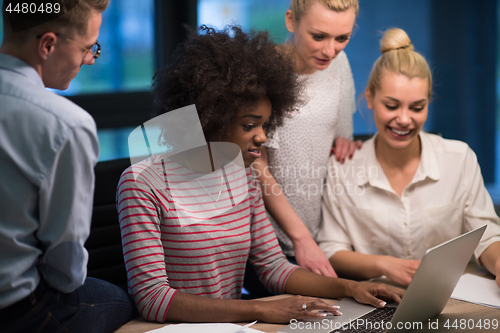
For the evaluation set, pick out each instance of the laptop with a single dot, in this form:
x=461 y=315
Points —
x=425 y=297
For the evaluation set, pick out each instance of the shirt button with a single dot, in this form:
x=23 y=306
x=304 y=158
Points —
x=405 y=224
x=408 y=253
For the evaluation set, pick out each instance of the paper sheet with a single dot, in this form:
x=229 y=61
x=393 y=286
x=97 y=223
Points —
x=205 y=328
x=475 y=289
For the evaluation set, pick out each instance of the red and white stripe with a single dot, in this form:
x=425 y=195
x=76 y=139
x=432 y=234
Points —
x=171 y=244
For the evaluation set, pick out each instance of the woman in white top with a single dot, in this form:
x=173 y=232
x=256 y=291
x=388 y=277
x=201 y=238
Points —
x=292 y=168
x=405 y=190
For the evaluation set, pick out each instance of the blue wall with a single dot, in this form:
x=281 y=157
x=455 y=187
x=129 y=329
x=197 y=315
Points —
x=376 y=16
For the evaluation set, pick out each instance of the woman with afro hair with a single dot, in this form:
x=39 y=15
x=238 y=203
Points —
x=187 y=232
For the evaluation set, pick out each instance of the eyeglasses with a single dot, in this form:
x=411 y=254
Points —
x=95 y=49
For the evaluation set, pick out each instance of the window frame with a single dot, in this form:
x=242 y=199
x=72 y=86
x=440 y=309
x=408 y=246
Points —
x=130 y=109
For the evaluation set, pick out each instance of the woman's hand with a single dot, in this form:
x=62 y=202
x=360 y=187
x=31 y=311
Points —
x=398 y=270
x=370 y=293
x=284 y=310
x=309 y=256
x=497 y=272
x=490 y=259
x=343 y=147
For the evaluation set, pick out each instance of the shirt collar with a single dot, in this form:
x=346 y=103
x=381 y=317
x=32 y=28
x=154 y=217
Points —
x=375 y=176
x=14 y=64
x=428 y=167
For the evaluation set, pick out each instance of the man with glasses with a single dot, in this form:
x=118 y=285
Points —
x=48 y=150
x=94 y=50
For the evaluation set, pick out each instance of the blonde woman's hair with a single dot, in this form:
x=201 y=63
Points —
x=299 y=7
x=398 y=57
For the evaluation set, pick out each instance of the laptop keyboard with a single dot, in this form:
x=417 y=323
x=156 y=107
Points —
x=372 y=322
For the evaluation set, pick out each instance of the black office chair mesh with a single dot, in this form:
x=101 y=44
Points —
x=104 y=243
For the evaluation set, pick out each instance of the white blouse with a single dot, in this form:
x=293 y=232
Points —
x=446 y=198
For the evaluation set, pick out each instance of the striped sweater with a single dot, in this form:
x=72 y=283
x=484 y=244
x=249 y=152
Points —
x=176 y=237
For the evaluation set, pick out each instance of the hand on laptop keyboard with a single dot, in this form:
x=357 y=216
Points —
x=283 y=310
x=365 y=292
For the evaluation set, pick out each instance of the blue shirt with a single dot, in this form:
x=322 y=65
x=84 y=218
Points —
x=48 y=150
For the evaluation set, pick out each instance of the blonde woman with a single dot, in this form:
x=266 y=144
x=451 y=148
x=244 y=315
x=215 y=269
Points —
x=292 y=167
x=406 y=190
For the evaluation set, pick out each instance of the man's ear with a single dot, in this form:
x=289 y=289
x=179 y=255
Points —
x=369 y=99
x=46 y=45
x=290 y=23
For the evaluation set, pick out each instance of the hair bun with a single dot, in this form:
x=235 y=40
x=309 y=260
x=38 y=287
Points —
x=395 y=39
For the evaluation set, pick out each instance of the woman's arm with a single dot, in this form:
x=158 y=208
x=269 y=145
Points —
x=336 y=241
x=141 y=242
x=307 y=252
x=355 y=265
x=343 y=146
x=479 y=211
x=307 y=283
x=491 y=260
x=191 y=308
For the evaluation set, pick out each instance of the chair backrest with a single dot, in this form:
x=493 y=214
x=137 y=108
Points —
x=104 y=243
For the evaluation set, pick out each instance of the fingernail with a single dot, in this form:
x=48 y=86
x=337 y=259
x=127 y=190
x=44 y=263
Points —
x=322 y=314
x=335 y=306
x=340 y=313
x=382 y=304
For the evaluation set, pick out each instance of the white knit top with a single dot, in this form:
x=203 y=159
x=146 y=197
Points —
x=298 y=152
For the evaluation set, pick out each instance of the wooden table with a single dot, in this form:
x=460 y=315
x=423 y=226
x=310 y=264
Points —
x=454 y=310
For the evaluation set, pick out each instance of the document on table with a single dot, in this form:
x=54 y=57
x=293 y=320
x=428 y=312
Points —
x=475 y=289
x=206 y=328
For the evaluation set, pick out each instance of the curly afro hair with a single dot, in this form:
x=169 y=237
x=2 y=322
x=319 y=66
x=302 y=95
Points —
x=226 y=72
